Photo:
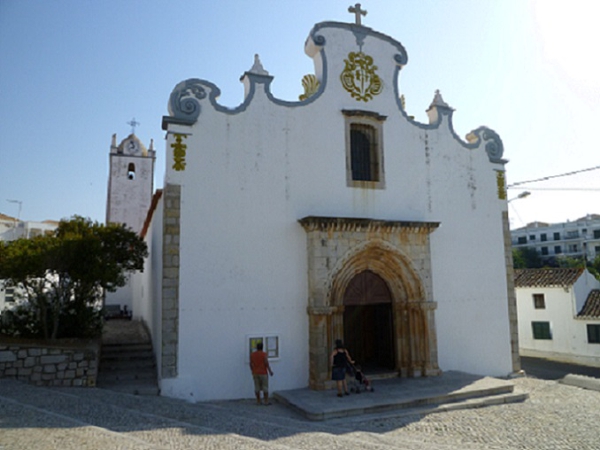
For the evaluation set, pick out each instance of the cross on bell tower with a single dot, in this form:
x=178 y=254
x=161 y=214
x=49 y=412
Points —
x=133 y=123
x=357 y=12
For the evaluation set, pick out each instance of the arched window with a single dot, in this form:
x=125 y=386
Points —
x=131 y=171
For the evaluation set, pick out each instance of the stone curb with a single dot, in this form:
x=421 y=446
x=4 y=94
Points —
x=581 y=381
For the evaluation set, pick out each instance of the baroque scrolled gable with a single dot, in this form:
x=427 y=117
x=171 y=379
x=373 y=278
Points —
x=184 y=102
x=363 y=63
x=493 y=144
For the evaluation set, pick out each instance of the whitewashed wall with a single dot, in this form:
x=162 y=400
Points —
x=249 y=177
x=569 y=341
x=146 y=285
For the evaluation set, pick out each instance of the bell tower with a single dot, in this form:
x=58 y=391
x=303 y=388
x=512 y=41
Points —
x=130 y=182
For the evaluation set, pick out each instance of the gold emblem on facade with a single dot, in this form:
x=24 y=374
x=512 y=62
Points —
x=501 y=182
x=179 y=149
x=311 y=86
x=359 y=77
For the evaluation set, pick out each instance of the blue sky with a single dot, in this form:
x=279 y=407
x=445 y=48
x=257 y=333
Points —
x=73 y=72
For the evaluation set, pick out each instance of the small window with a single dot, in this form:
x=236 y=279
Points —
x=131 y=171
x=543 y=237
x=544 y=250
x=270 y=345
x=557 y=250
x=596 y=234
x=539 y=301
x=364 y=149
x=593 y=332
x=363 y=153
x=557 y=236
x=541 y=330
x=532 y=237
x=572 y=248
x=9 y=295
x=522 y=240
x=597 y=249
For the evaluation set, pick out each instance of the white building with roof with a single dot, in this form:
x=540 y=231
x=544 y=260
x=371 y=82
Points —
x=337 y=216
x=577 y=239
x=12 y=228
x=559 y=314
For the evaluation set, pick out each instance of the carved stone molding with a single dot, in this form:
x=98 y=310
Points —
x=339 y=249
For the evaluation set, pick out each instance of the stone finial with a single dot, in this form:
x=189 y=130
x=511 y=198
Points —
x=151 y=145
x=113 y=142
x=437 y=104
x=258 y=68
x=438 y=100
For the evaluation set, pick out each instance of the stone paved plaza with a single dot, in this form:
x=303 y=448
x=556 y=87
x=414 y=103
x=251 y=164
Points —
x=555 y=416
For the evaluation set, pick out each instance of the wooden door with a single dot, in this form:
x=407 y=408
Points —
x=368 y=321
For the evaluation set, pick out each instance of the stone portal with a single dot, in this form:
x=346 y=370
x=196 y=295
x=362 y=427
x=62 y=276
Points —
x=370 y=284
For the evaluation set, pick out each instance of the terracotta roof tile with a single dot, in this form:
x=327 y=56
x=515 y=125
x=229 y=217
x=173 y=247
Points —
x=591 y=308
x=547 y=277
x=155 y=198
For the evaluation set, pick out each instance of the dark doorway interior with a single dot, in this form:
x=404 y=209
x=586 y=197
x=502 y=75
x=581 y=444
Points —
x=368 y=322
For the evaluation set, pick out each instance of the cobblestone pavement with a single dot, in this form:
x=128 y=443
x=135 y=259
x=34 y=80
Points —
x=555 y=417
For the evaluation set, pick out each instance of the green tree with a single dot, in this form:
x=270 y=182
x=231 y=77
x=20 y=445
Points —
x=62 y=277
x=570 y=262
x=526 y=258
x=594 y=267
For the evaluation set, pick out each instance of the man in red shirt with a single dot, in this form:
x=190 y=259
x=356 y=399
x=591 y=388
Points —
x=259 y=364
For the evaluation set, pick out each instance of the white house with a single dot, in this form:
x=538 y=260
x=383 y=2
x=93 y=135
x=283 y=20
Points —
x=559 y=314
x=12 y=228
x=335 y=216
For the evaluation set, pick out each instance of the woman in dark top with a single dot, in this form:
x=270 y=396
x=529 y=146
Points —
x=340 y=359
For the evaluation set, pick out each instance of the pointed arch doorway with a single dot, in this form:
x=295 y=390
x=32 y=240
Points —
x=366 y=277
x=368 y=322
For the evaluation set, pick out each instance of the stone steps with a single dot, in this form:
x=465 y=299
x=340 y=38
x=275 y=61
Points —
x=127 y=362
x=444 y=406
x=396 y=396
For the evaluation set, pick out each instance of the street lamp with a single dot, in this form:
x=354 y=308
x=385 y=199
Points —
x=521 y=195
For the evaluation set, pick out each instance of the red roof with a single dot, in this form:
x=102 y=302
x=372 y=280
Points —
x=554 y=277
x=591 y=308
x=155 y=198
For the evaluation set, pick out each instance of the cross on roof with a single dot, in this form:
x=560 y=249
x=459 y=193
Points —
x=357 y=12
x=133 y=123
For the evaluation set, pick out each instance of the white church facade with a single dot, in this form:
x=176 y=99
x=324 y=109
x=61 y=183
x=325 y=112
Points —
x=334 y=217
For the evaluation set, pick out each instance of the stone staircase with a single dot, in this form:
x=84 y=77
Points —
x=127 y=362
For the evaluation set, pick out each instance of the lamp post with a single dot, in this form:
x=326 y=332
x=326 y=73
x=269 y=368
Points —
x=521 y=195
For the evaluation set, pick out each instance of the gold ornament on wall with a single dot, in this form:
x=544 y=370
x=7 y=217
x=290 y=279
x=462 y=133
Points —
x=359 y=77
x=311 y=86
x=501 y=182
x=179 y=149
